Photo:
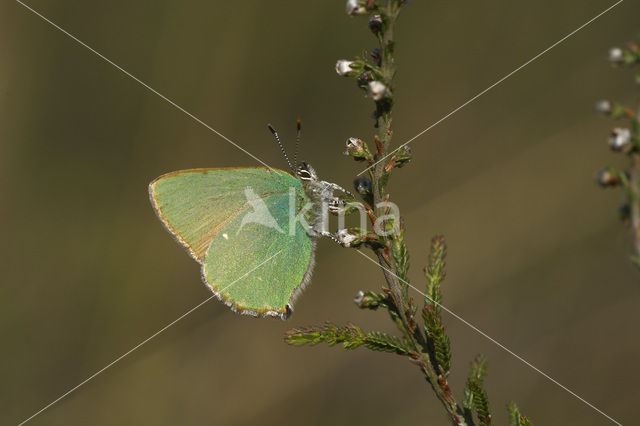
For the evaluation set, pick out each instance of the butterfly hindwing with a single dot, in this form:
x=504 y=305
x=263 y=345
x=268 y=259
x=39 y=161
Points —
x=268 y=288
x=235 y=223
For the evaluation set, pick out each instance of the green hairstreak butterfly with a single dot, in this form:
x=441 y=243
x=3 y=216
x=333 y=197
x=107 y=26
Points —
x=252 y=230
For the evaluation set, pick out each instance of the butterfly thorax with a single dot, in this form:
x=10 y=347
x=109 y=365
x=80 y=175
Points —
x=322 y=197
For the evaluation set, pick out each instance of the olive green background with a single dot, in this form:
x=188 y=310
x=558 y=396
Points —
x=537 y=259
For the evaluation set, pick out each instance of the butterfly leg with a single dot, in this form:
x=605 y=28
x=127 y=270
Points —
x=319 y=231
x=330 y=235
x=335 y=205
x=325 y=191
x=330 y=187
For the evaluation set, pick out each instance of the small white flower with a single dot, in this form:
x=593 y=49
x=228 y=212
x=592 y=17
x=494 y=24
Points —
x=377 y=90
x=354 y=144
x=619 y=139
x=358 y=150
x=354 y=8
x=606 y=178
x=345 y=237
x=343 y=67
x=616 y=55
x=359 y=297
x=604 y=106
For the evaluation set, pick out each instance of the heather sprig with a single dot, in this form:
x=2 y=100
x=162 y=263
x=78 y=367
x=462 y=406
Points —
x=625 y=139
x=422 y=335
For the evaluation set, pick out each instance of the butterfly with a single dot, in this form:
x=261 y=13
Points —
x=253 y=230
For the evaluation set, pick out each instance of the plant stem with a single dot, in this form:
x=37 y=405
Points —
x=387 y=68
x=634 y=196
x=396 y=283
x=426 y=345
x=634 y=202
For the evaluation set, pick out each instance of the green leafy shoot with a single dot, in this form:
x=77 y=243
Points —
x=349 y=335
x=434 y=271
x=515 y=418
x=475 y=397
x=438 y=342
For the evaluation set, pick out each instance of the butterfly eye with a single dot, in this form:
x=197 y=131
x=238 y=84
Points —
x=304 y=172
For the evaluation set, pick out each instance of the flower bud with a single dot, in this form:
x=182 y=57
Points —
x=613 y=109
x=362 y=186
x=376 y=55
x=377 y=90
x=625 y=212
x=619 y=139
x=364 y=79
x=355 y=8
x=358 y=149
x=355 y=144
x=370 y=300
x=604 y=106
x=375 y=24
x=402 y=156
x=345 y=67
x=616 y=55
x=345 y=238
x=608 y=178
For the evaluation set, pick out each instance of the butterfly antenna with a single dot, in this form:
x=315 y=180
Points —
x=275 y=134
x=298 y=132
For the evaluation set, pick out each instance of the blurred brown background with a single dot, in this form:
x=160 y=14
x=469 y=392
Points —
x=537 y=259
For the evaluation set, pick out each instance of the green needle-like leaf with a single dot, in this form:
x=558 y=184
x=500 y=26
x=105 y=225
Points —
x=350 y=336
x=515 y=418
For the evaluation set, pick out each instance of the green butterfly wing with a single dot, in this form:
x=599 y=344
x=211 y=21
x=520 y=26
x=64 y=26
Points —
x=236 y=223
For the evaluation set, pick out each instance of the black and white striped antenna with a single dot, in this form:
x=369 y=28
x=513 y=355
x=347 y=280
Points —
x=298 y=132
x=275 y=134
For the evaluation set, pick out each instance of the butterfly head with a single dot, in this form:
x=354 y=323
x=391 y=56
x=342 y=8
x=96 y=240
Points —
x=305 y=172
